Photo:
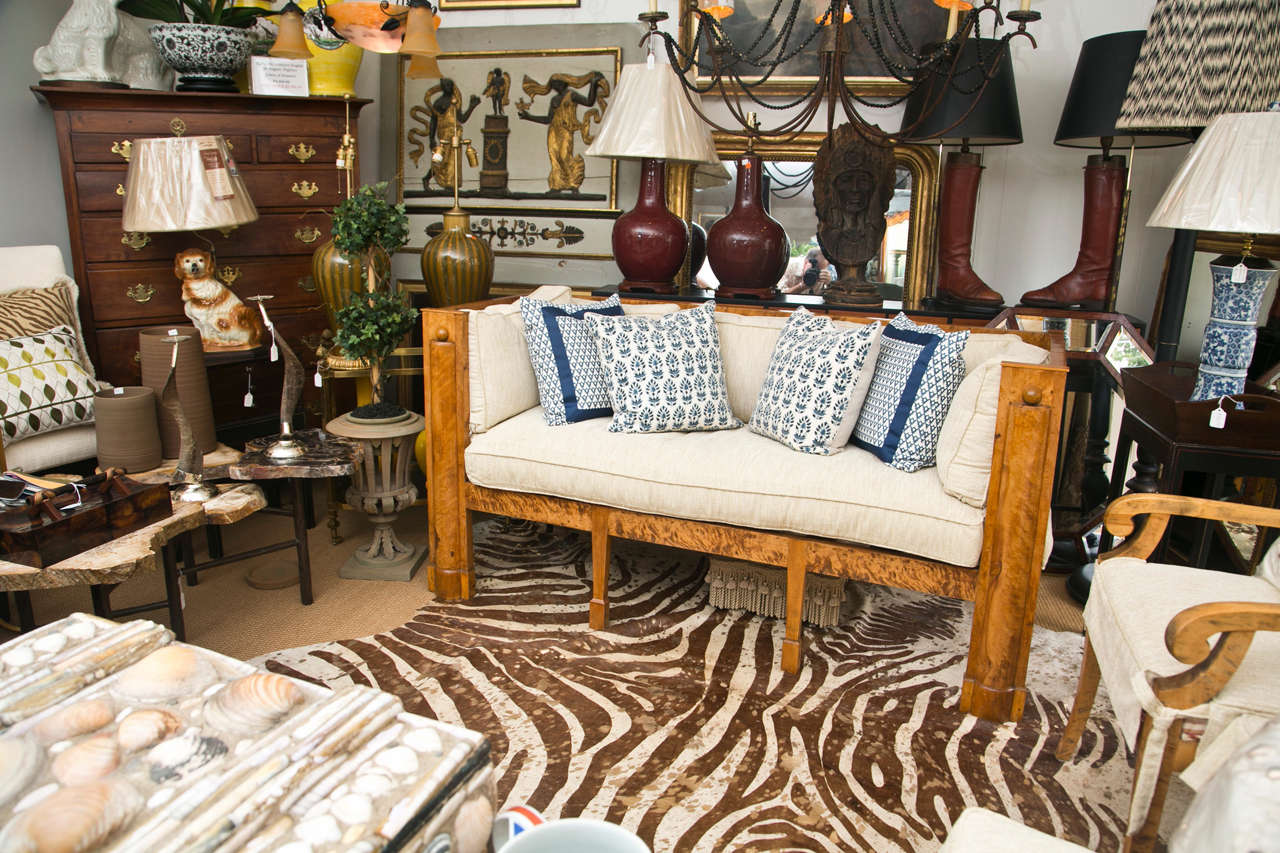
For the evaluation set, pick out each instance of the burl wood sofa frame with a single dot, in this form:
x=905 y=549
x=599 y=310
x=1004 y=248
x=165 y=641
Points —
x=1003 y=587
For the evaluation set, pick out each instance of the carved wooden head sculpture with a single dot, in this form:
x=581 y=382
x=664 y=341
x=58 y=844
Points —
x=853 y=181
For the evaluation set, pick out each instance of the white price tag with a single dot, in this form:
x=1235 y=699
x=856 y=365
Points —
x=173 y=331
x=275 y=352
x=319 y=382
x=1239 y=273
x=118 y=392
x=248 y=400
x=1218 y=419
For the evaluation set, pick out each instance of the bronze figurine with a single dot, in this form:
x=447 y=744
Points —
x=568 y=170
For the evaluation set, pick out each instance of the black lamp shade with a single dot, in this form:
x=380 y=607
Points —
x=993 y=120
x=1097 y=93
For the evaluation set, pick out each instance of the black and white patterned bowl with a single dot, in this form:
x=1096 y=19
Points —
x=202 y=52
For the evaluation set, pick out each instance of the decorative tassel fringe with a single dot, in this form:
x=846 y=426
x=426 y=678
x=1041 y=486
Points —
x=736 y=585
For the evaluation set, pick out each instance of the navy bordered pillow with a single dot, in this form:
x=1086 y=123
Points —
x=571 y=381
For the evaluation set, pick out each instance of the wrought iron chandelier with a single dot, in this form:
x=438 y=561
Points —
x=741 y=73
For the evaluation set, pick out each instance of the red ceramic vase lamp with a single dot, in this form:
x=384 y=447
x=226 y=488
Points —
x=747 y=249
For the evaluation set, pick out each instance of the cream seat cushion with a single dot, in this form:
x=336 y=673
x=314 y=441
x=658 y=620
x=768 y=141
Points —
x=732 y=477
x=982 y=831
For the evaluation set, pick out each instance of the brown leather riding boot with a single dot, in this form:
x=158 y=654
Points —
x=1086 y=284
x=958 y=284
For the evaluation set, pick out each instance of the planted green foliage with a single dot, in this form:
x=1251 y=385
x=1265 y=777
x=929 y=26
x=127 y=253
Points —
x=367 y=220
x=373 y=324
x=217 y=12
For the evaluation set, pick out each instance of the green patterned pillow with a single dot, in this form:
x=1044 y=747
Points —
x=43 y=386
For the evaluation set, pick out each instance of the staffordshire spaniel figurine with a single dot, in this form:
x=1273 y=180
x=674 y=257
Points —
x=221 y=318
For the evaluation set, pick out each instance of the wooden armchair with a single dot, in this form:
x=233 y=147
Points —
x=1148 y=626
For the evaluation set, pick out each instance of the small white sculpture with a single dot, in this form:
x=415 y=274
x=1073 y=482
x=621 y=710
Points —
x=135 y=59
x=80 y=48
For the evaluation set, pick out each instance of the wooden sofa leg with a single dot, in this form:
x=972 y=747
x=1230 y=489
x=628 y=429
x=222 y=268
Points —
x=451 y=567
x=451 y=574
x=797 y=565
x=601 y=554
x=1085 y=693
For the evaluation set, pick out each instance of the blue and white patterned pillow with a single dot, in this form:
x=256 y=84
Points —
x=571 y=382
x=815 y=384
x=917 y=374
x=665 y=374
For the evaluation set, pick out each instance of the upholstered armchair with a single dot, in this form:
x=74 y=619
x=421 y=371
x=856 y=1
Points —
x=1182 y=698
x=36 y=295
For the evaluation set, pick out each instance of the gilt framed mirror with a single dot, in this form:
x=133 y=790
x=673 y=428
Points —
x=907 y=254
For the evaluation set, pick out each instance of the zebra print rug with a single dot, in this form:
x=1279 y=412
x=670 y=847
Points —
x=677 y=723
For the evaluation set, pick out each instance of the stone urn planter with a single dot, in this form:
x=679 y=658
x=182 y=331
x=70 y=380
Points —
x=205 y=56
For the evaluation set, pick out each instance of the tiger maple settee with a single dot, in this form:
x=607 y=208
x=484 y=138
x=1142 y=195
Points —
x=737 y=494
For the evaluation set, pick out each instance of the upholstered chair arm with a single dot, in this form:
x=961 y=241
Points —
x=1187 y=638
x=1159 y=508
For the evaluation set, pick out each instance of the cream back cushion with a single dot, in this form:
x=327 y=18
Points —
x=969 y=431
x=501 y=382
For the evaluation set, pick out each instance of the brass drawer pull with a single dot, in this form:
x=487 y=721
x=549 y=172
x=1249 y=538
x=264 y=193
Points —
x=229 y=275
x=307 y=283
x=178 y=126
x=306 y=189
x=302 y=151
x=120 y=190
x=140 y=293
x=136 y=240
x=124 y=149
x=308 y=235
x=137 y=356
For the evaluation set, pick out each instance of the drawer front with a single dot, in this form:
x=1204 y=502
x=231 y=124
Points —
x=117 y=147
x=301 y=187
x=272 y=235
x=150 y=292
x=298 y=149
x=101 y=190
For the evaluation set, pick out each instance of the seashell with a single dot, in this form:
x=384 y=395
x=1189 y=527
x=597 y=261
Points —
x=320 y=830
x=253 y=704
x=87 y=761
x=176 y=757
x=35 y=796
x=295 y=847
x=75 y=720
x=168 y=673
x=160 y=797
x=374 y=784
x=20 y=759
x=73 y=819
x=425 y=739
x=18 y=658
x=353 y=809
x=398 y=759
x=145 y=728
x=79 y=630
x=51 y=643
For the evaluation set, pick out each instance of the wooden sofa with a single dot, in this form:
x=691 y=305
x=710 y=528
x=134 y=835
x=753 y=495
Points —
x=1003 y=586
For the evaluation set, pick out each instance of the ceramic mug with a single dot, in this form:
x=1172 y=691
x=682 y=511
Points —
x=524 y=830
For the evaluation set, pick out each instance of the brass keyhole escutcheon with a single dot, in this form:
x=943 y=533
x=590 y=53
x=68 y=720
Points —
x=305 y=189
x=124 y=149
x=137 y=356
x=307 y=235
x=178 y=126
x=307 y=283
x=136 y=240
x=229 y=275
x=302 y=151
x=140 y=293
x=120 y=190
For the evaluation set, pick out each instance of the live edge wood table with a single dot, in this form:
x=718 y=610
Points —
x=324 y=456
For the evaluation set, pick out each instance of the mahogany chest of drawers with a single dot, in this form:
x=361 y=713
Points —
x=284 y=147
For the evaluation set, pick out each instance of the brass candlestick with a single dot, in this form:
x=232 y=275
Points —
x=287 y=446
x=188 y=479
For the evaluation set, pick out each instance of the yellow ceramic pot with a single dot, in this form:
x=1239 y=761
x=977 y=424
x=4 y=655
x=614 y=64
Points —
x=259 y=48
x=332 y=72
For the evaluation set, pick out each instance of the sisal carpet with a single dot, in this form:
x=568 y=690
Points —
x=676 y=722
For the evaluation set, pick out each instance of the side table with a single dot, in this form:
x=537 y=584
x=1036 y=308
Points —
x=325 y=456
x=382 y=489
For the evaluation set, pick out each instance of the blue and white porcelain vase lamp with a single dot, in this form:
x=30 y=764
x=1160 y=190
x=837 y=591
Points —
x=1229 y=182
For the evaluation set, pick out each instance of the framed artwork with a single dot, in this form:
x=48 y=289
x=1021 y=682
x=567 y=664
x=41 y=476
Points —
x=507 y=4
x=920 y=21
x=528 y=116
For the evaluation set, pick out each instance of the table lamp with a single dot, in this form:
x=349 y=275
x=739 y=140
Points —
x=1089 y=121
x=971 y=115
x=1229 y=182
x=650 y=120
x=189 y=183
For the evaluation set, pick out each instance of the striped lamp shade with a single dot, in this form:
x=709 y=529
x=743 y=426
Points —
x=1203 y=58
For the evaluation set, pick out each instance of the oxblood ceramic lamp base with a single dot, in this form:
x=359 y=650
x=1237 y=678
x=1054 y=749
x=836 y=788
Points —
x=748 y=247
x=649 y=241
x=1232 y=330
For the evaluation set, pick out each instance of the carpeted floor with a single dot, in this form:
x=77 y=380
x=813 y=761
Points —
x=676 y=723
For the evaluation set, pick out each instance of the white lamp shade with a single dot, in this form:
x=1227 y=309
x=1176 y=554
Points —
x=650 y=118
x=184 y=183
x=1230 y=181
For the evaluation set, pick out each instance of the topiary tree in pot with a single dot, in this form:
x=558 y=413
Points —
x=374 y=322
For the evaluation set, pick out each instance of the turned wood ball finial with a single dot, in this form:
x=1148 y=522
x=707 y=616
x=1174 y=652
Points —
x=1032 y=396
